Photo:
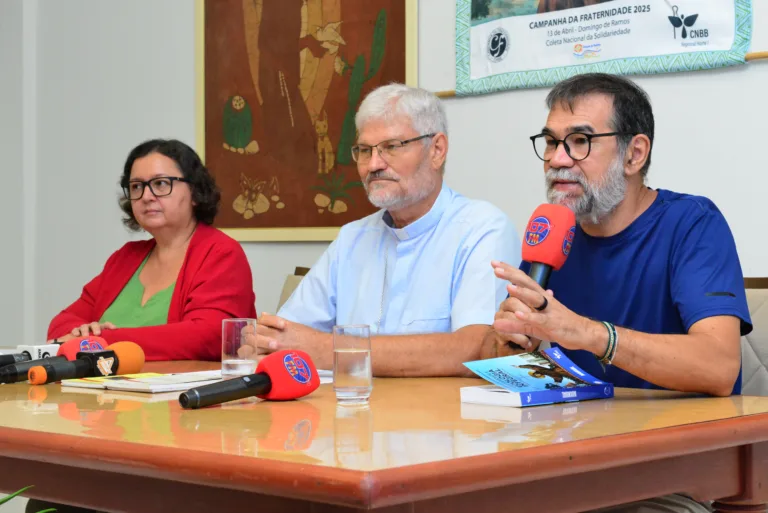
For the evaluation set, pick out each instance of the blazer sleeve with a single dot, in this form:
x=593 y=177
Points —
x=221 y=288
x=83 y=310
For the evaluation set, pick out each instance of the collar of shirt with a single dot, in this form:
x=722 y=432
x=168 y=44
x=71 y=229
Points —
x=425 y=223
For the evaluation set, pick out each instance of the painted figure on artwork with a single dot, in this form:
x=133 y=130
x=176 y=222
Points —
x=283 y=82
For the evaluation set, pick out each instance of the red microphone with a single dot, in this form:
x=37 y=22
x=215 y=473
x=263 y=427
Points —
x=281 y=376
x=548 y=239
x=66 y=352
x=71 y=347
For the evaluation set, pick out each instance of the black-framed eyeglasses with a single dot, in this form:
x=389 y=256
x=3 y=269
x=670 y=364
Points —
x=577 y=144
x=160 y=186
x=362 y=153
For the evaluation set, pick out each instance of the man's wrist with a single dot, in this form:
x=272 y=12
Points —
x=489 y=346
x=597 y=338
x=326 y=350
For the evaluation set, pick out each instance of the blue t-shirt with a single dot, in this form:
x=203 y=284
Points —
x=673 y=266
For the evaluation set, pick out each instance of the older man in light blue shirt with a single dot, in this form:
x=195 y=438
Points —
x=419 y=271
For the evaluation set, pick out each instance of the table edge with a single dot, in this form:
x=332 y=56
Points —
x=473 y=473
x=383 y=487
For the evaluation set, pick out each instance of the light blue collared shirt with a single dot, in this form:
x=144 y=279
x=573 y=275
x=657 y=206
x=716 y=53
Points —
x=438 y=271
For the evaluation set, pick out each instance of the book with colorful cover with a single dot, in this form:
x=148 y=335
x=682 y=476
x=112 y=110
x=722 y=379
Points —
x=547 y=376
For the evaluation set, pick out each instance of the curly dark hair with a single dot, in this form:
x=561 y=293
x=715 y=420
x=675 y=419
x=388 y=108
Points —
x=205 y=193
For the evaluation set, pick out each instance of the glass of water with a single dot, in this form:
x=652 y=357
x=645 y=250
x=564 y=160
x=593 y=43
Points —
x=237 y=359
x=352 y=374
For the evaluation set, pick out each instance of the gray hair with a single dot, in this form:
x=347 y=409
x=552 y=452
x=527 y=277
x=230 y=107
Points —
x=422 y=107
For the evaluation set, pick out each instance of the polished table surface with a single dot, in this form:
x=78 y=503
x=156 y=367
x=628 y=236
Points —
x=415 y=442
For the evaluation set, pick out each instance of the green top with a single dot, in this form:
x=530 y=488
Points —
x=126 y=310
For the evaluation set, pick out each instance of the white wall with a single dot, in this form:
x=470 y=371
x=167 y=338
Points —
x=12 y=259
x=110 y=74
x=11 y=149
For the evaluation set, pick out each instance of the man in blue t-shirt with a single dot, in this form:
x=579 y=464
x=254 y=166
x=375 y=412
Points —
x=652 y=294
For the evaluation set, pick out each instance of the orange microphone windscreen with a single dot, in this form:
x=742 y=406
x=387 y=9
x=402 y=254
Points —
x=549 y=235
x=37 y=375
x=130 y=355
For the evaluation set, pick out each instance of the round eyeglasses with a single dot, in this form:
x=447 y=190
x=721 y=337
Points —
x=577 y=144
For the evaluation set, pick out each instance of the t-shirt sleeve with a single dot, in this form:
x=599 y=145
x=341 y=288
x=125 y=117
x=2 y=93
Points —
x=477 y=291
x=313 y=303
x=706 y=277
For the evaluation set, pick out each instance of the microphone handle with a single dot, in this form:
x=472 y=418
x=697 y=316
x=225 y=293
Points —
x=76 y=369
x=10 y=359
x=18 y=372
x=225 y=391
x=540 y=273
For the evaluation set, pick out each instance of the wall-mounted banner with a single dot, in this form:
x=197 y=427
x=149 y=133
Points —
x=511 y=44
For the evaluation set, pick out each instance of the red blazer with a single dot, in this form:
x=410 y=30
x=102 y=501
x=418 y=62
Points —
x=214 y=283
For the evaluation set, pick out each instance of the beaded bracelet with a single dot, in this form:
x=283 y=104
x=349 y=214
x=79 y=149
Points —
x=613 y=344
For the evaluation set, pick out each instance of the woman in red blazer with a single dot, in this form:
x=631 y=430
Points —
x=176 y=288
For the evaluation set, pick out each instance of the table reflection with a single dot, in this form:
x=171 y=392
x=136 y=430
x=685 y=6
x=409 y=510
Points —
x=408 y=421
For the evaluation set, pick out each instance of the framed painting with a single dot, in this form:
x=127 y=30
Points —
x=278 y=85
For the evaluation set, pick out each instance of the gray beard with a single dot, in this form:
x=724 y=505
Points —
x=597 y=201
x=396 y=201
x=425 y=185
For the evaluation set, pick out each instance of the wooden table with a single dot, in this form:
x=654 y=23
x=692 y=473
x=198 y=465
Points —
x=416 y=449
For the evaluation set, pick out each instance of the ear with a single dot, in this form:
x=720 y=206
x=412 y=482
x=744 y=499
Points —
x=439 y=150
x=637 y=154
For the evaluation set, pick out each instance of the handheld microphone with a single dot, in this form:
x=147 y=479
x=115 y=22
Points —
x=67 y=351
x=548 y=240
x=121 y=358
x=281 y=376
x=10 y=359
x=26 y=353
x=71 y=347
